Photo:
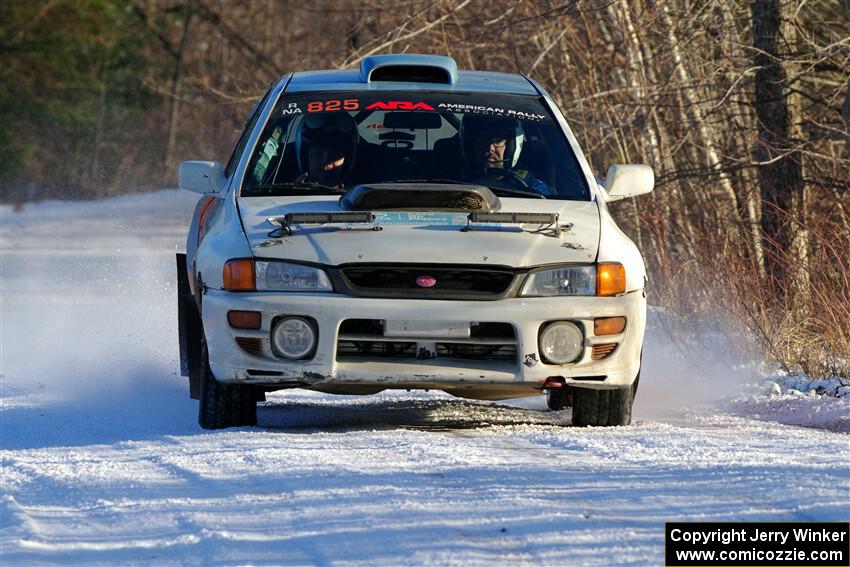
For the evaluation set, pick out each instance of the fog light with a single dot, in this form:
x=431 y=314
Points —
x=293 y=337
x=561 y=342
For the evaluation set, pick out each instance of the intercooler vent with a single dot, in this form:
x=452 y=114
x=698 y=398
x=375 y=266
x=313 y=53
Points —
x=420 y=197
x=250 y=344
x=603 y=350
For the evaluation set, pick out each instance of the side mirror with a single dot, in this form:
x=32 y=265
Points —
x=201 y=176
x=623 y=181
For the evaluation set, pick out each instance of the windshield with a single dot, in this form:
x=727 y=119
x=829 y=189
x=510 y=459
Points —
x=330 y=142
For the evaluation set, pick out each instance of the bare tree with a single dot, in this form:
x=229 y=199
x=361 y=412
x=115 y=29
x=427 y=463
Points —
x=176 y=84
x=780 y=169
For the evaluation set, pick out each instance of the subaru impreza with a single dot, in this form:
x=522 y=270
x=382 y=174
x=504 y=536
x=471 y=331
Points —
x=409 y=225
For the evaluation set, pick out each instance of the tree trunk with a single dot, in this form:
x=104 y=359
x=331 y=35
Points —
x=780 y=172
x=176 y=84
x=693 y=107
x=741 y=124
x=96 y=178
x=800 y=280
x=845 y=114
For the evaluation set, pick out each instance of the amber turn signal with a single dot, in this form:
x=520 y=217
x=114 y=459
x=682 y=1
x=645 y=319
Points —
x=610 y=279
x=606 y=325
x=238 y=275
x=244 y=319
x=206 y=209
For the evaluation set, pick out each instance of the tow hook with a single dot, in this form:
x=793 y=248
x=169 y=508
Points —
x=554 y=382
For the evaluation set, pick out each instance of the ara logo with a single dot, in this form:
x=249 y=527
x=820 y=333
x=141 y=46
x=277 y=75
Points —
x=399 y=105
x=426 y=281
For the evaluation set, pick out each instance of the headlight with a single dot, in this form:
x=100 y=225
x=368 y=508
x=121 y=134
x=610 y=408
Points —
x=571 y=280
x=561 y=342
x=283 y=276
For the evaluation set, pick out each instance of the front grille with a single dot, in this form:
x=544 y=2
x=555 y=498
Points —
x=361 y=339
x=375 y=349
x=476 y=352
x=457 y=282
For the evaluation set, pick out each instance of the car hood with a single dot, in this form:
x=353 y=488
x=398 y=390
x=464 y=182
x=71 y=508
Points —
x=421 y=237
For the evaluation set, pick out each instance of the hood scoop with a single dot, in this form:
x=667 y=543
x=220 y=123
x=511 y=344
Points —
x=420 y=197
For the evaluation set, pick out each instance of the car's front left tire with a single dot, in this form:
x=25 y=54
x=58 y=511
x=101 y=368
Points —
x=603 y=407
x=225 y=405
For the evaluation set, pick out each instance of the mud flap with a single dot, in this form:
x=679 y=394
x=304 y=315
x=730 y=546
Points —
x=189 y=330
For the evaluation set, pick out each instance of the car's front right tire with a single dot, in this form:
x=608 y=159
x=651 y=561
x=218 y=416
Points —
x=225 y=405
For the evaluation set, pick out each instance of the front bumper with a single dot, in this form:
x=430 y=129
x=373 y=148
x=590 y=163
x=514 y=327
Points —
x=325 y=371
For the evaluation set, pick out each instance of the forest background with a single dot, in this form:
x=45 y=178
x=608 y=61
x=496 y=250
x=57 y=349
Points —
x=742 y=108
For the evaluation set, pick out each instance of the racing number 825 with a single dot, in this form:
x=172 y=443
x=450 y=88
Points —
x=333 y=105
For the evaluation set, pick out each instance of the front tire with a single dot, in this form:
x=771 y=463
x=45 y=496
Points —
x=224 y=405
x=603 y=407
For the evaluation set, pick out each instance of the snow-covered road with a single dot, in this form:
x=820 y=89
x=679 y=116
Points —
x=102 y=460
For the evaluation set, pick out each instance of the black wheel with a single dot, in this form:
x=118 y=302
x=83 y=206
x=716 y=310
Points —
x=225 y=405
x=558 y=398
x=603 y=407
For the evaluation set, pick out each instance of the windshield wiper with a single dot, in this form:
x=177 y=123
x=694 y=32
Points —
x=446 y=181
x=294 y=188
x=506 y=190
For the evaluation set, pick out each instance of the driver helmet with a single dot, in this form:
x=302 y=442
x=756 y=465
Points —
x=478 y=132
x=323 y=140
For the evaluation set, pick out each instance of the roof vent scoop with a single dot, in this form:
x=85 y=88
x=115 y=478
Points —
x=409 y=68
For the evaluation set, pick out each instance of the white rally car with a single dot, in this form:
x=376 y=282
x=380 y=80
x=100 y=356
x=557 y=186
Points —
x=410 y=225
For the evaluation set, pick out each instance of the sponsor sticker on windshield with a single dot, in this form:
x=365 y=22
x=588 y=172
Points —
x=352 y=104
x=490 y=110
x=399 y=105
